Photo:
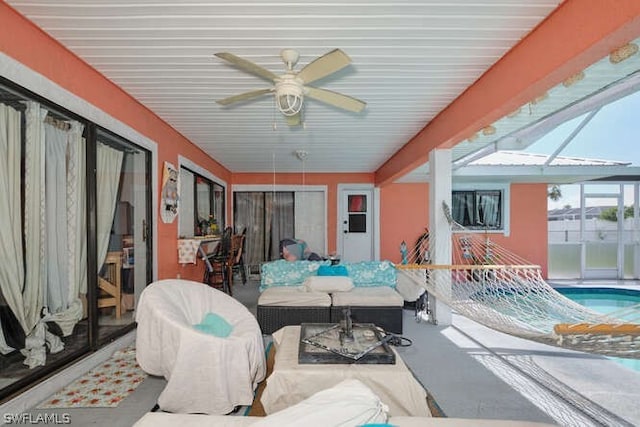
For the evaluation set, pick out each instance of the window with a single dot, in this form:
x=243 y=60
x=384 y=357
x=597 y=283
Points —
x=201 y=199
x=478 y=209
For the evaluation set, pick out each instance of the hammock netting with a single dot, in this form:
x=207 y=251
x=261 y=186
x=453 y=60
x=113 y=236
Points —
x=495 y=287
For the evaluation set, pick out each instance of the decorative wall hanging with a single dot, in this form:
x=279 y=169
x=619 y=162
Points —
x=169 y=202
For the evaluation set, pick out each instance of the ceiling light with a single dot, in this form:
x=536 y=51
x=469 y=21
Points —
x=289 y=95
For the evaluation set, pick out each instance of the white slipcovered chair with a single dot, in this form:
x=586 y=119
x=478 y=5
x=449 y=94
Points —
x=205 y=373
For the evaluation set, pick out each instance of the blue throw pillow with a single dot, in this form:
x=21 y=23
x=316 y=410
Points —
x=332 y=270
x=214 y=324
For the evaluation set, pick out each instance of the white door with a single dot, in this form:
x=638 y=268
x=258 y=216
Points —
x=356 y=225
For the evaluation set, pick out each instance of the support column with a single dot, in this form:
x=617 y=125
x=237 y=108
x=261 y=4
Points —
x=439 y=228
x=636 y=231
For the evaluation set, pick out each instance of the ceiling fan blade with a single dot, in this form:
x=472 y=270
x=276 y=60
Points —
x=247 y=66
x=321 y=67
x=243 y=96
x=294 y=120
x=336 y=99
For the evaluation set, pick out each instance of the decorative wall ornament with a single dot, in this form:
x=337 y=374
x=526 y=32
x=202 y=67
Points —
x=489 y=130
x=571 y=80
x=169 y=202
x=623 y=52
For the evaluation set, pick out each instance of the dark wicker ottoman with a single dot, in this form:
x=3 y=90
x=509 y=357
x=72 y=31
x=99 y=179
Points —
x=271 y=318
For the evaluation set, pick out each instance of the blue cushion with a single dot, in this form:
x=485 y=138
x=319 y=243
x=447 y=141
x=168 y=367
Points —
x=214 y=324
x=332 y=270
x=372 y=273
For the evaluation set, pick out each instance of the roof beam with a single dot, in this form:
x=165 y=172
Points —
x=575 y=35
x=573 y=134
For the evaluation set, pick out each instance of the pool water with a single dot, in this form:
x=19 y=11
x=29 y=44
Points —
x=606 y=301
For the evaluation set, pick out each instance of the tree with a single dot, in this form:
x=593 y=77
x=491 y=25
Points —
x=554 y=193
x=611 y=214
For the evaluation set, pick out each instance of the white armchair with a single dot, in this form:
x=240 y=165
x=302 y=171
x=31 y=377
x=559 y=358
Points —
x=205 y=373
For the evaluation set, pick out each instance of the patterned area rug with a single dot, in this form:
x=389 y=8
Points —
x=103 y=387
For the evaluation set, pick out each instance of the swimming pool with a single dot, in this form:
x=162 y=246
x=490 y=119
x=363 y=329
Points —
x=606 y=300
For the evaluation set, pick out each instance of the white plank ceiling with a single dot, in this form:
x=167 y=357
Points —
x=410 y=60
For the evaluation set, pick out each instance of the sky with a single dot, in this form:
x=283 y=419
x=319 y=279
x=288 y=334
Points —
x=612 y=134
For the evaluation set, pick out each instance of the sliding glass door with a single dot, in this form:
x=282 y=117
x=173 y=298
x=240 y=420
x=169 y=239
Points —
x=75 y=209
x=122 y=224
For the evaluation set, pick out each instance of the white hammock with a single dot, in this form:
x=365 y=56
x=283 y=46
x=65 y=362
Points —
x=502 y=291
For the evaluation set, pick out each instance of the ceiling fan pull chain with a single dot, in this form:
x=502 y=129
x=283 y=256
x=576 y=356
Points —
x=273 y=166
x=275 y=125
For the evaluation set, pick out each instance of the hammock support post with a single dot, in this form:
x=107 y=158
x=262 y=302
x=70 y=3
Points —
x=440 y=192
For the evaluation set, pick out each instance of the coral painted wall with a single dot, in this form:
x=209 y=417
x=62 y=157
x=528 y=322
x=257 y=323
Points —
x=404 y=215
x=528 y=219
x=331 y=180
x=28 y=44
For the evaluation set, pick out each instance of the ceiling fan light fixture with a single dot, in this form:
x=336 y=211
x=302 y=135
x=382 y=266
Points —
x=292 y=88
x=289 y=96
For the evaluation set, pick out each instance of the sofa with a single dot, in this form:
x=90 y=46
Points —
x=295 y=292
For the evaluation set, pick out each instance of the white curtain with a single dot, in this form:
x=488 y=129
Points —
x=77 y=225
x=34 y=213
x=57 y=290
x=23 y=297
x=108 y=166
x=488 y=212
x=282 y=220
x=249 y=207
x=462 y=202
x=11 y=267
x=186 y=225
x=74 y=254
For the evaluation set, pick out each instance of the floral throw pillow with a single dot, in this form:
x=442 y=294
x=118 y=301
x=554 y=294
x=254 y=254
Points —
x=372 y=273
x=288 y=273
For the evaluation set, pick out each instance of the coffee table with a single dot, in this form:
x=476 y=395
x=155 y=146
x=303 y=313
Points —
x=291 y=382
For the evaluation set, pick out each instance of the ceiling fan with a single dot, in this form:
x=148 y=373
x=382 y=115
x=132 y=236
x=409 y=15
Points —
x=293 y=86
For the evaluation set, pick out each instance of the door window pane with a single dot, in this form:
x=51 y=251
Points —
x=357 y=223
x=357 y=202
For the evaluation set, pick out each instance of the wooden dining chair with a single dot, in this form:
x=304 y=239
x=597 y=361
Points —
x=216 y=273
x=236 y=260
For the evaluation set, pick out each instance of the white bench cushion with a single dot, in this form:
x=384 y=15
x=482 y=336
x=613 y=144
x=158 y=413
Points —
x=328 y=283
x=379 y=296
x=293 y=296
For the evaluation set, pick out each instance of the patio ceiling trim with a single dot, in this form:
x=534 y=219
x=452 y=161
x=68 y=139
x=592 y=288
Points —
x=576 y=34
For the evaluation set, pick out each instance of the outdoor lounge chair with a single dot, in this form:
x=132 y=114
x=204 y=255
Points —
x=207 y=372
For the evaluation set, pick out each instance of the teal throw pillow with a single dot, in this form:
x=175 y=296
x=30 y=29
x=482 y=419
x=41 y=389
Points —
x=214 y=324
x=332 y=270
